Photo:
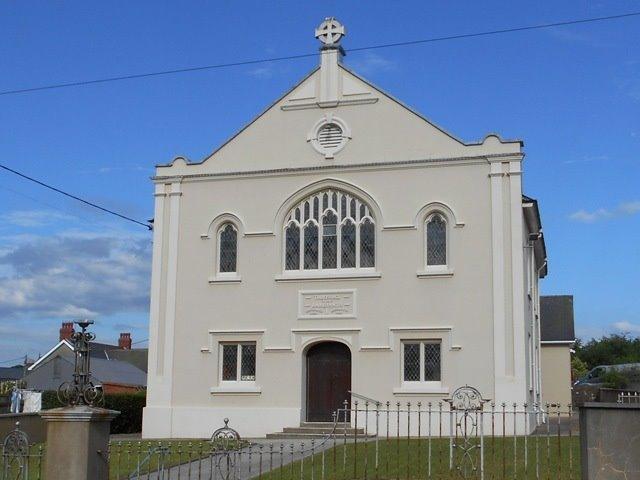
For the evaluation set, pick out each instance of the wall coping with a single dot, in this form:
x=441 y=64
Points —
x=612 y=405
x=19 y=415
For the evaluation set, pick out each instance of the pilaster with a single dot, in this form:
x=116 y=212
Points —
x=163 y=301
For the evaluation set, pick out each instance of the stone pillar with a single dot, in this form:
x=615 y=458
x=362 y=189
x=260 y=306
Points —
x=610 y=441
x=77 y=443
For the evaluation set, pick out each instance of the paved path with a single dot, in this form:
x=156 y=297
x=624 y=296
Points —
x=248 y=463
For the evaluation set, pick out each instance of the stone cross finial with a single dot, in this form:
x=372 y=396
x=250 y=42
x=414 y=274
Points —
x=330 y=32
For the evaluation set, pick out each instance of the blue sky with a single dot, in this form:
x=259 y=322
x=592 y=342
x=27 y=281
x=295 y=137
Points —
x=572 y=94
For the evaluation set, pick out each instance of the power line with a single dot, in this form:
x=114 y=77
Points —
x=305 y=55
x=86 y=202
x=12 y=359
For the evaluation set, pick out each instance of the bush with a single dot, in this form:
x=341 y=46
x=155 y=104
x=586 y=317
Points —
x=129 y=405
x=578 y=368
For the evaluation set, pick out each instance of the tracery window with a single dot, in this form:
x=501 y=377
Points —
x=436 y=231
x=329 y=230
x=227 y=248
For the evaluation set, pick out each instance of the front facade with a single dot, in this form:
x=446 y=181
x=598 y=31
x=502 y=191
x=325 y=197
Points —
x=340 y=244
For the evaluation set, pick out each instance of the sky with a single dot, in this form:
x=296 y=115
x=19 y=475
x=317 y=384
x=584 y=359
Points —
x=571 y=93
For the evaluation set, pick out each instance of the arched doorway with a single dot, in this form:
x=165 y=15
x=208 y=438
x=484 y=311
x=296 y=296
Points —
x=328 y=380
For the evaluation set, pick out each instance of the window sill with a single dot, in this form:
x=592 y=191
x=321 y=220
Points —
x=421 y=390
x=327 y=276
x=435 y=273
x=225 y=279
x=236 y=390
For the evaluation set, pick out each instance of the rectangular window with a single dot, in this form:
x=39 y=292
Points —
x=238 y=362
x=421 y=361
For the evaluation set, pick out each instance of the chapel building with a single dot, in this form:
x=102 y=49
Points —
x=339 y=245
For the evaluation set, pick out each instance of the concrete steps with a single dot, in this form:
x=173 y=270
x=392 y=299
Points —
x=316 y=430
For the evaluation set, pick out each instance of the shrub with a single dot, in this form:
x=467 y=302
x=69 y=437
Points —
x=129 y=405
x=615 y=379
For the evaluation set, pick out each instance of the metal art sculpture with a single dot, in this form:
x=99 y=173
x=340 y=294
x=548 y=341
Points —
x=467 y=405
x=81 y=390
x=15 y=455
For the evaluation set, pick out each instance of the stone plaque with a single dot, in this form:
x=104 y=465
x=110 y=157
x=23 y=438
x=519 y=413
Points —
x=327 y=304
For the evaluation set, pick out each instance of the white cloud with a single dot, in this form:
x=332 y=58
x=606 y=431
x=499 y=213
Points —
x=370 y=62
x=265 y=71
x=624 y=209
x=67 y=276
x=35 y=218
x=588 y=159
x=630 y=208
x=627 y=327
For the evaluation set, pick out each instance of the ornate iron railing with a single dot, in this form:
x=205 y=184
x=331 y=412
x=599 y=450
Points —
x=20 y=459
x=466 y=436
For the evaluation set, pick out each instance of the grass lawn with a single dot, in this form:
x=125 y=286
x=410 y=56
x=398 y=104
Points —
x=409 y=460
x=35 y=464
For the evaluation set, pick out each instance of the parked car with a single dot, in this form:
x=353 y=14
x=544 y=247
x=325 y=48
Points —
x=587 y=388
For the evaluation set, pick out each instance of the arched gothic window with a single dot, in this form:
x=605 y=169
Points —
x=227 y=248
x=436 y=231
x=329 y=230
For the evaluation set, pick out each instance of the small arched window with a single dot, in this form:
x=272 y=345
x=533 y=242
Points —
x=436 y=231
x=227 y=248
x=329 y=230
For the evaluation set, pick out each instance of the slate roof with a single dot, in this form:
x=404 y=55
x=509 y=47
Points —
x=116 y=371
x=11 y=373
x=97 y=349
x=556 y=318
x=136 y=356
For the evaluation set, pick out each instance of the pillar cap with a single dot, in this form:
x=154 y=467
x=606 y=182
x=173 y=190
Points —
x=79 y=413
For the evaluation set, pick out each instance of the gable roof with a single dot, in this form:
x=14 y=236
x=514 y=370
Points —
x=556 y=318
x=96 y=350
x=112 y=371
x=45 y=357
x=370 y=84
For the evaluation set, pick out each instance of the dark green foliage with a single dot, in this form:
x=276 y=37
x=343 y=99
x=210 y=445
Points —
x=609 y=350
x=129 y=405
x=615 y=379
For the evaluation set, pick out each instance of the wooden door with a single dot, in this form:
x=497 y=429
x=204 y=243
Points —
x=328 y=380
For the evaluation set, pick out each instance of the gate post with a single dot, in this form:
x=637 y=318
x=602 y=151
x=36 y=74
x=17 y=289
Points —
x=77 y=442
x=609 y=442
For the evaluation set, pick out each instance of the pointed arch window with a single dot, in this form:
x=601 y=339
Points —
x=292 y=247
x=227 y=248
x=436 y=231
x=330 y=230
x=311 y=246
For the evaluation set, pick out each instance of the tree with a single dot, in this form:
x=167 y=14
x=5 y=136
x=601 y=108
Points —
x=609 y=350
x=578 y=368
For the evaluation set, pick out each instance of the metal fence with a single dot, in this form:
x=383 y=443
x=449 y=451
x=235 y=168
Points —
x=466 y=436
x=629 y=397
x=20 y=459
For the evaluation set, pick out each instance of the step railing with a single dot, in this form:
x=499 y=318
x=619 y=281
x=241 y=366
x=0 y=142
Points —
x=364 y=398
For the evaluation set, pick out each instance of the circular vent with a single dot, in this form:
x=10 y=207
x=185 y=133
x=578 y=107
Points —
x=329 y=135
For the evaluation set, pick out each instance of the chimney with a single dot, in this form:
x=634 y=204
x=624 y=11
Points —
x=124 y=342
x=66 y=330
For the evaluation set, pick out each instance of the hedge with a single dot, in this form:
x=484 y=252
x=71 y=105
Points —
x=129 y=405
